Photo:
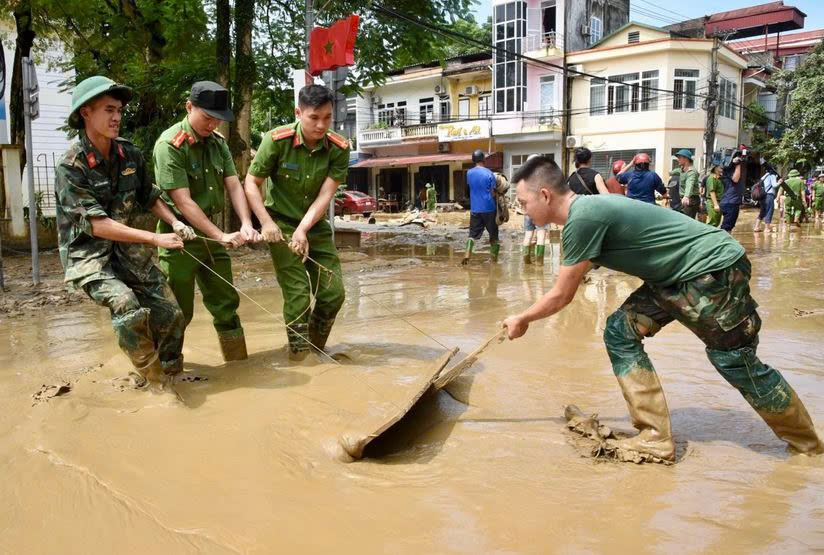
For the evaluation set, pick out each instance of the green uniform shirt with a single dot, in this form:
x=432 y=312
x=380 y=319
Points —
x=295 y=172
x=714 y=185
x=87 y=185
x=819 y=190
x=688 y=183
x=796 y=185
x=662 y=247
x=184 y=159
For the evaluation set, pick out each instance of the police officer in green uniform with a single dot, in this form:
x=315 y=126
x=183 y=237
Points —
x=302 y=165
x=192 y=166
x=102 y=188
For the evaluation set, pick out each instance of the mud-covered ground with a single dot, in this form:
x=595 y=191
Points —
x=250 y=463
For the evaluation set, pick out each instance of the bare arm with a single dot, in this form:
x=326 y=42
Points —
x=239 y=202
x=557 y=298
x=269 y=230
x=107 y=228
x=736 y=174
x=161 y=210
x=196 y=217
x=601 y=185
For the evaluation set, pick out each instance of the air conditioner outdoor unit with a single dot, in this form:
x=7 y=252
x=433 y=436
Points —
x=439 y=89
x=443 y=147
x=471 y=90
x=585 y=30
x=543 y=120
x=575 y=69
x=573 y=141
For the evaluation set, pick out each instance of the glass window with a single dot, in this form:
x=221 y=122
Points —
x=547 y=93
x=684 y=88
x=446 y=110
x=649 y=97
x=426 y=107
x=595 y=30
x=597 y=97
x=463 y=108
x=484 y=106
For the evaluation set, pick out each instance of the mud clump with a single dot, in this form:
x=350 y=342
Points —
x=48 y=391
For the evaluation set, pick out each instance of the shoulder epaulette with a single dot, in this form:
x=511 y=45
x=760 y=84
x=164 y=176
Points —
x=337 y=140
x=283 y=133
x=122 y=140
x=181 y=137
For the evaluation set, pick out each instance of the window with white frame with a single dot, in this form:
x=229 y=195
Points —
x=728 y=99
x=426 y=108
x=684 y=87
x=400 y=113
x=446 y=110
x=463 y=108
x=595 y=30
x=547 y=84
x=485 y=106
x=649 y=94
x=627 y=92
x=386 y=113
x=519 y=160
x=509 y=71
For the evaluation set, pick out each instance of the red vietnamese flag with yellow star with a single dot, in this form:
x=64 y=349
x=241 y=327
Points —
x=333 y=47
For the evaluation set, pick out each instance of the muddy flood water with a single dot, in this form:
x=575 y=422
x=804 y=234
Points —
x=252 y=463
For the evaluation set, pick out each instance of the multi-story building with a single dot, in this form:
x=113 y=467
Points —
x=625 y=111
x=421 y=126
x=528 y=94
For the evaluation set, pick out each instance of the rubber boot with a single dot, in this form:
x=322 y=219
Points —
x=526 y=254
x=794 y=426
x=470 y=243
x=298 y=335
x=233 y=345
x=494 y=251
x=540 y=250
x=319 y=330
x=650 y=416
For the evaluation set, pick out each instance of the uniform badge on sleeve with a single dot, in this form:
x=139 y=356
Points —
x=128 y=171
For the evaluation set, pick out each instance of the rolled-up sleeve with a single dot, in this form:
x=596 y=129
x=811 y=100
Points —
x=76 y=199
x=339 y=164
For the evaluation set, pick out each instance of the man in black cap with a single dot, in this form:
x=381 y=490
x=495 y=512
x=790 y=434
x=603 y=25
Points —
x=192 y=166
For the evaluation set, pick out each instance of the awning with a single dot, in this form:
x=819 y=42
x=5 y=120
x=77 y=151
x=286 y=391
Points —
x=408 y=160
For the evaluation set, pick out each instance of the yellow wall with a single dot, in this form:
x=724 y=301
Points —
x=458 y=84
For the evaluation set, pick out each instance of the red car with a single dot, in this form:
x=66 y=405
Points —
x=355 y=202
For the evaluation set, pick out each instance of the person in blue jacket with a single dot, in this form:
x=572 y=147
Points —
x=641 y=183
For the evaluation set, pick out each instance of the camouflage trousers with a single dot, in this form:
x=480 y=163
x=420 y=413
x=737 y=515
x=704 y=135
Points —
x=718 y=308
x=298 y=280
x=146 y=318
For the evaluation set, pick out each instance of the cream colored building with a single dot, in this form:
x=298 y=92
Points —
x=616 y=120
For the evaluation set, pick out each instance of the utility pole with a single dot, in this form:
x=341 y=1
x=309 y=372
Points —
x=711 y=105
x=566 y=98
x=31 y=111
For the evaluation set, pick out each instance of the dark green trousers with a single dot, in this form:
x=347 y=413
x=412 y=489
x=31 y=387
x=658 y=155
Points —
x=298 y=280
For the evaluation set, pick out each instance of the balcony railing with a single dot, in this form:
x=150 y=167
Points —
x=419 y=131
x=379 y=136
x=541 y=41
x=544 y=118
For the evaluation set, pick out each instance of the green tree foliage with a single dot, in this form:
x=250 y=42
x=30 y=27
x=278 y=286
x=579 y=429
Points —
x=802 y=142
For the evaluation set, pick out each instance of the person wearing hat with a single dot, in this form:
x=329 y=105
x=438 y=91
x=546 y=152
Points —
x=793 y=186
x=733 y=194
x=192 y=166
x=299 y=167
x=641 y=183
x=688 y=184
x=483 y=208
x=818 y=197
x=714 y=192
x=102 y=187
x=431 y=197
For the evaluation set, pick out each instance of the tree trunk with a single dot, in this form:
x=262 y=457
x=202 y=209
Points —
x=240 y=138
x=223 y=41
x=22 y=49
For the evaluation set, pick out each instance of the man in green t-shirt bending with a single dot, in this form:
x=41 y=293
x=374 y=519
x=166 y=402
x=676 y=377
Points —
x=692 y=273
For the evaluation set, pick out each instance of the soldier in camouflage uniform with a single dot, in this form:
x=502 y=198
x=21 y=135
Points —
x=102 y=188
x=192 y=166
x=692 y=273
x=302 y=165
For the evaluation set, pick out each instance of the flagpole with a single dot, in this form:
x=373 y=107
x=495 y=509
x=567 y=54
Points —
x=310 y=22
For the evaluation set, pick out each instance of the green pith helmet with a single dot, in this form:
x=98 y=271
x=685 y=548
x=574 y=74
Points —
x=91 y=88
x=685 y=153
x=793 y=173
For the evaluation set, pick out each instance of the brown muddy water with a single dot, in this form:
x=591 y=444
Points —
x=251 y=464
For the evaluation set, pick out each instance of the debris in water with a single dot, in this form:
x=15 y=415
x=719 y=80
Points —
x=50 y=391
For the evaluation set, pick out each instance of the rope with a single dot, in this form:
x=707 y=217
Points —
x=263 y=308
x=383 y=306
